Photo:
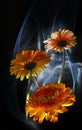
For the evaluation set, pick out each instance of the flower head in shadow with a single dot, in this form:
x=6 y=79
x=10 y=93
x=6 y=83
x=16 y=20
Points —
x=29 y=60
x=49 y=100
x=61 y=39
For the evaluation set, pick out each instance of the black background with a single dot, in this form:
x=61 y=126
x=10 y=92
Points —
x=13 y=13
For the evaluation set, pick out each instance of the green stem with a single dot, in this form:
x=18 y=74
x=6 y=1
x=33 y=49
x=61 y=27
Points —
x=61 y=71
x=28 y=92
x=35 y=81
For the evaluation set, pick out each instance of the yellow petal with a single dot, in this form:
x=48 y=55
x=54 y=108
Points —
x=62 y=110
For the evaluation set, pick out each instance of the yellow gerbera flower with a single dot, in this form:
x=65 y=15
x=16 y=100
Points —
x=49 y=100
x=28 y=60
x=61 y=39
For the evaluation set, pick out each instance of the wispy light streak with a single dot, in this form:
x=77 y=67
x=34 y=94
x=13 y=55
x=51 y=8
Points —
x=21 y=34
x=73 y=72
x=39 y=44
x=54 y=21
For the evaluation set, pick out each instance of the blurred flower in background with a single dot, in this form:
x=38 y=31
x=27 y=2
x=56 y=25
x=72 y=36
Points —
x=61 y=39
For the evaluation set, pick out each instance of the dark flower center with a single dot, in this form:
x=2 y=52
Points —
x=62 y=43
x=30 y=65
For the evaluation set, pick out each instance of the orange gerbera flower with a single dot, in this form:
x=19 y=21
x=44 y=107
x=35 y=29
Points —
x=29 y=60
x=61 y=39
x=47 y=101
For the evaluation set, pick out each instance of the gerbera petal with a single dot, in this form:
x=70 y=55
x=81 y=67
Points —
x=62 y=109
x=37 y=115
x=48 y=116
x=41 y=117
x=18 y=75
x=22 y=76
x=54 y=119
x=33 y=112
x=70 y=101
x=29 y=108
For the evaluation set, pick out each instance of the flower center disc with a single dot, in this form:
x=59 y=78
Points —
x=62 y=43
x=30 y=65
